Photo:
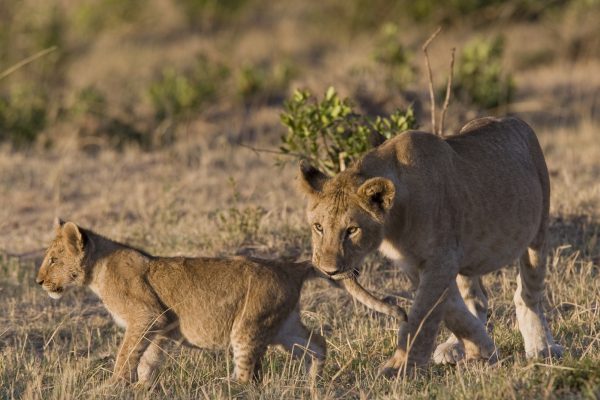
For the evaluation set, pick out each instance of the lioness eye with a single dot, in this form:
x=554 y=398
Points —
x=352 y=230
x=318 y=227
x=52 y=261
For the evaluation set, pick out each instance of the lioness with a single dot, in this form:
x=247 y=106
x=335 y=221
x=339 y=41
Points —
x=208 y=302
x=446 y=211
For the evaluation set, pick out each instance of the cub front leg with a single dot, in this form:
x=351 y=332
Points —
x=133 y=346
x=138 y=336
x=417 y=337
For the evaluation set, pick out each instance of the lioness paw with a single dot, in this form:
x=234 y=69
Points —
x=449 y=353
x=552 y=351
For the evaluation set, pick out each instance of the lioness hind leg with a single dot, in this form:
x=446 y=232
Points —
x=528 y=301
x=469 y=331
x=475 y=298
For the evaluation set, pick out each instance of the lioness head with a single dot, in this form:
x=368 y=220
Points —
x=347 y=215
x=62 y=265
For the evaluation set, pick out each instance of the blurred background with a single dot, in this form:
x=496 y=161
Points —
x=116 y=112
x=148 y=72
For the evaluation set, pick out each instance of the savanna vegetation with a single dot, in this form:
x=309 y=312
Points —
x=176 y=126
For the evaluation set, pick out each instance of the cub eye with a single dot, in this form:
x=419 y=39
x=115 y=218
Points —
x=74 y=275
x=352 y=230
x=318 y=227
x=52 y=261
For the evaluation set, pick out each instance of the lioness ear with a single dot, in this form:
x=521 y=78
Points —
x=73 y=238
x=378 y=191
x=311 y=179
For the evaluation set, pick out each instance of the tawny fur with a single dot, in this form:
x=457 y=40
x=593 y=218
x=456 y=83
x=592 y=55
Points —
x=446 y=211
x=245 y=303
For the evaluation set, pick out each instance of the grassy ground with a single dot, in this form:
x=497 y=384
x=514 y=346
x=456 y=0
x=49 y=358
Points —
x=204 y=194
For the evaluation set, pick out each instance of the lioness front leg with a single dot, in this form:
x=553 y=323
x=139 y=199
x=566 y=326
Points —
x=475 y=298
x=417 y=337
x=468 y=330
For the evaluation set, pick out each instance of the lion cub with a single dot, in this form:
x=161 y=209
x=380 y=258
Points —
x=244 y=303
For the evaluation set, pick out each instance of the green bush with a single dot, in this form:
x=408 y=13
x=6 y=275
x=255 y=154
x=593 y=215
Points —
x=480 y=76
x=23 y=115
x=89 y=101
x=581 y=376
x=208 y=14
x=390 y=52
x=238 y=222
x=94 y=16
x=264 y=82
x=177 y=94
x=331 y=134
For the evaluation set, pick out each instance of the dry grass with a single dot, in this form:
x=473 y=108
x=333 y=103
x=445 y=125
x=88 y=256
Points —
x=205 y=195
x=181 y=202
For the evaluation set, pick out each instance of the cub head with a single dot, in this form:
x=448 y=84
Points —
x=63 y=262
x=346 y=214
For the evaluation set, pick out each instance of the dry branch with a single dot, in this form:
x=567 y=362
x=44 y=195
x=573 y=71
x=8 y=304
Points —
x=431 y=93
x=448 y=92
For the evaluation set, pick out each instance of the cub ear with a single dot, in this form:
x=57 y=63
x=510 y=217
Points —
x=311 y=179
x=379 y=192
x=58 y=223
x=73 y=238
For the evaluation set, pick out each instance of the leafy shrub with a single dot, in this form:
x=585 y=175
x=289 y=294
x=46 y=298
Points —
x=390 y=52
x=264 y=82
x=23 y=114
x=177 y=94
x=94 y=16
x=480 y=77
x=237 y=222
x=89 y=100
x=331 y=134
x=581 y=376
x=208 y=14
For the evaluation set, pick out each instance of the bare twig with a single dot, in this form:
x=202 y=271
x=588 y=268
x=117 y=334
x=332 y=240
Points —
x=258 y=150
x=26 y=61
x=448 y=92
x=431 y=93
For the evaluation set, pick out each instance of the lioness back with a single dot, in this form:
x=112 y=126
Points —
x=491 y=177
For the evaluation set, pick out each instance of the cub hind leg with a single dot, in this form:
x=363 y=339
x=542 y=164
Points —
x=475 y=299
x=297 y=339
x=528 y=301
x=248 y=350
